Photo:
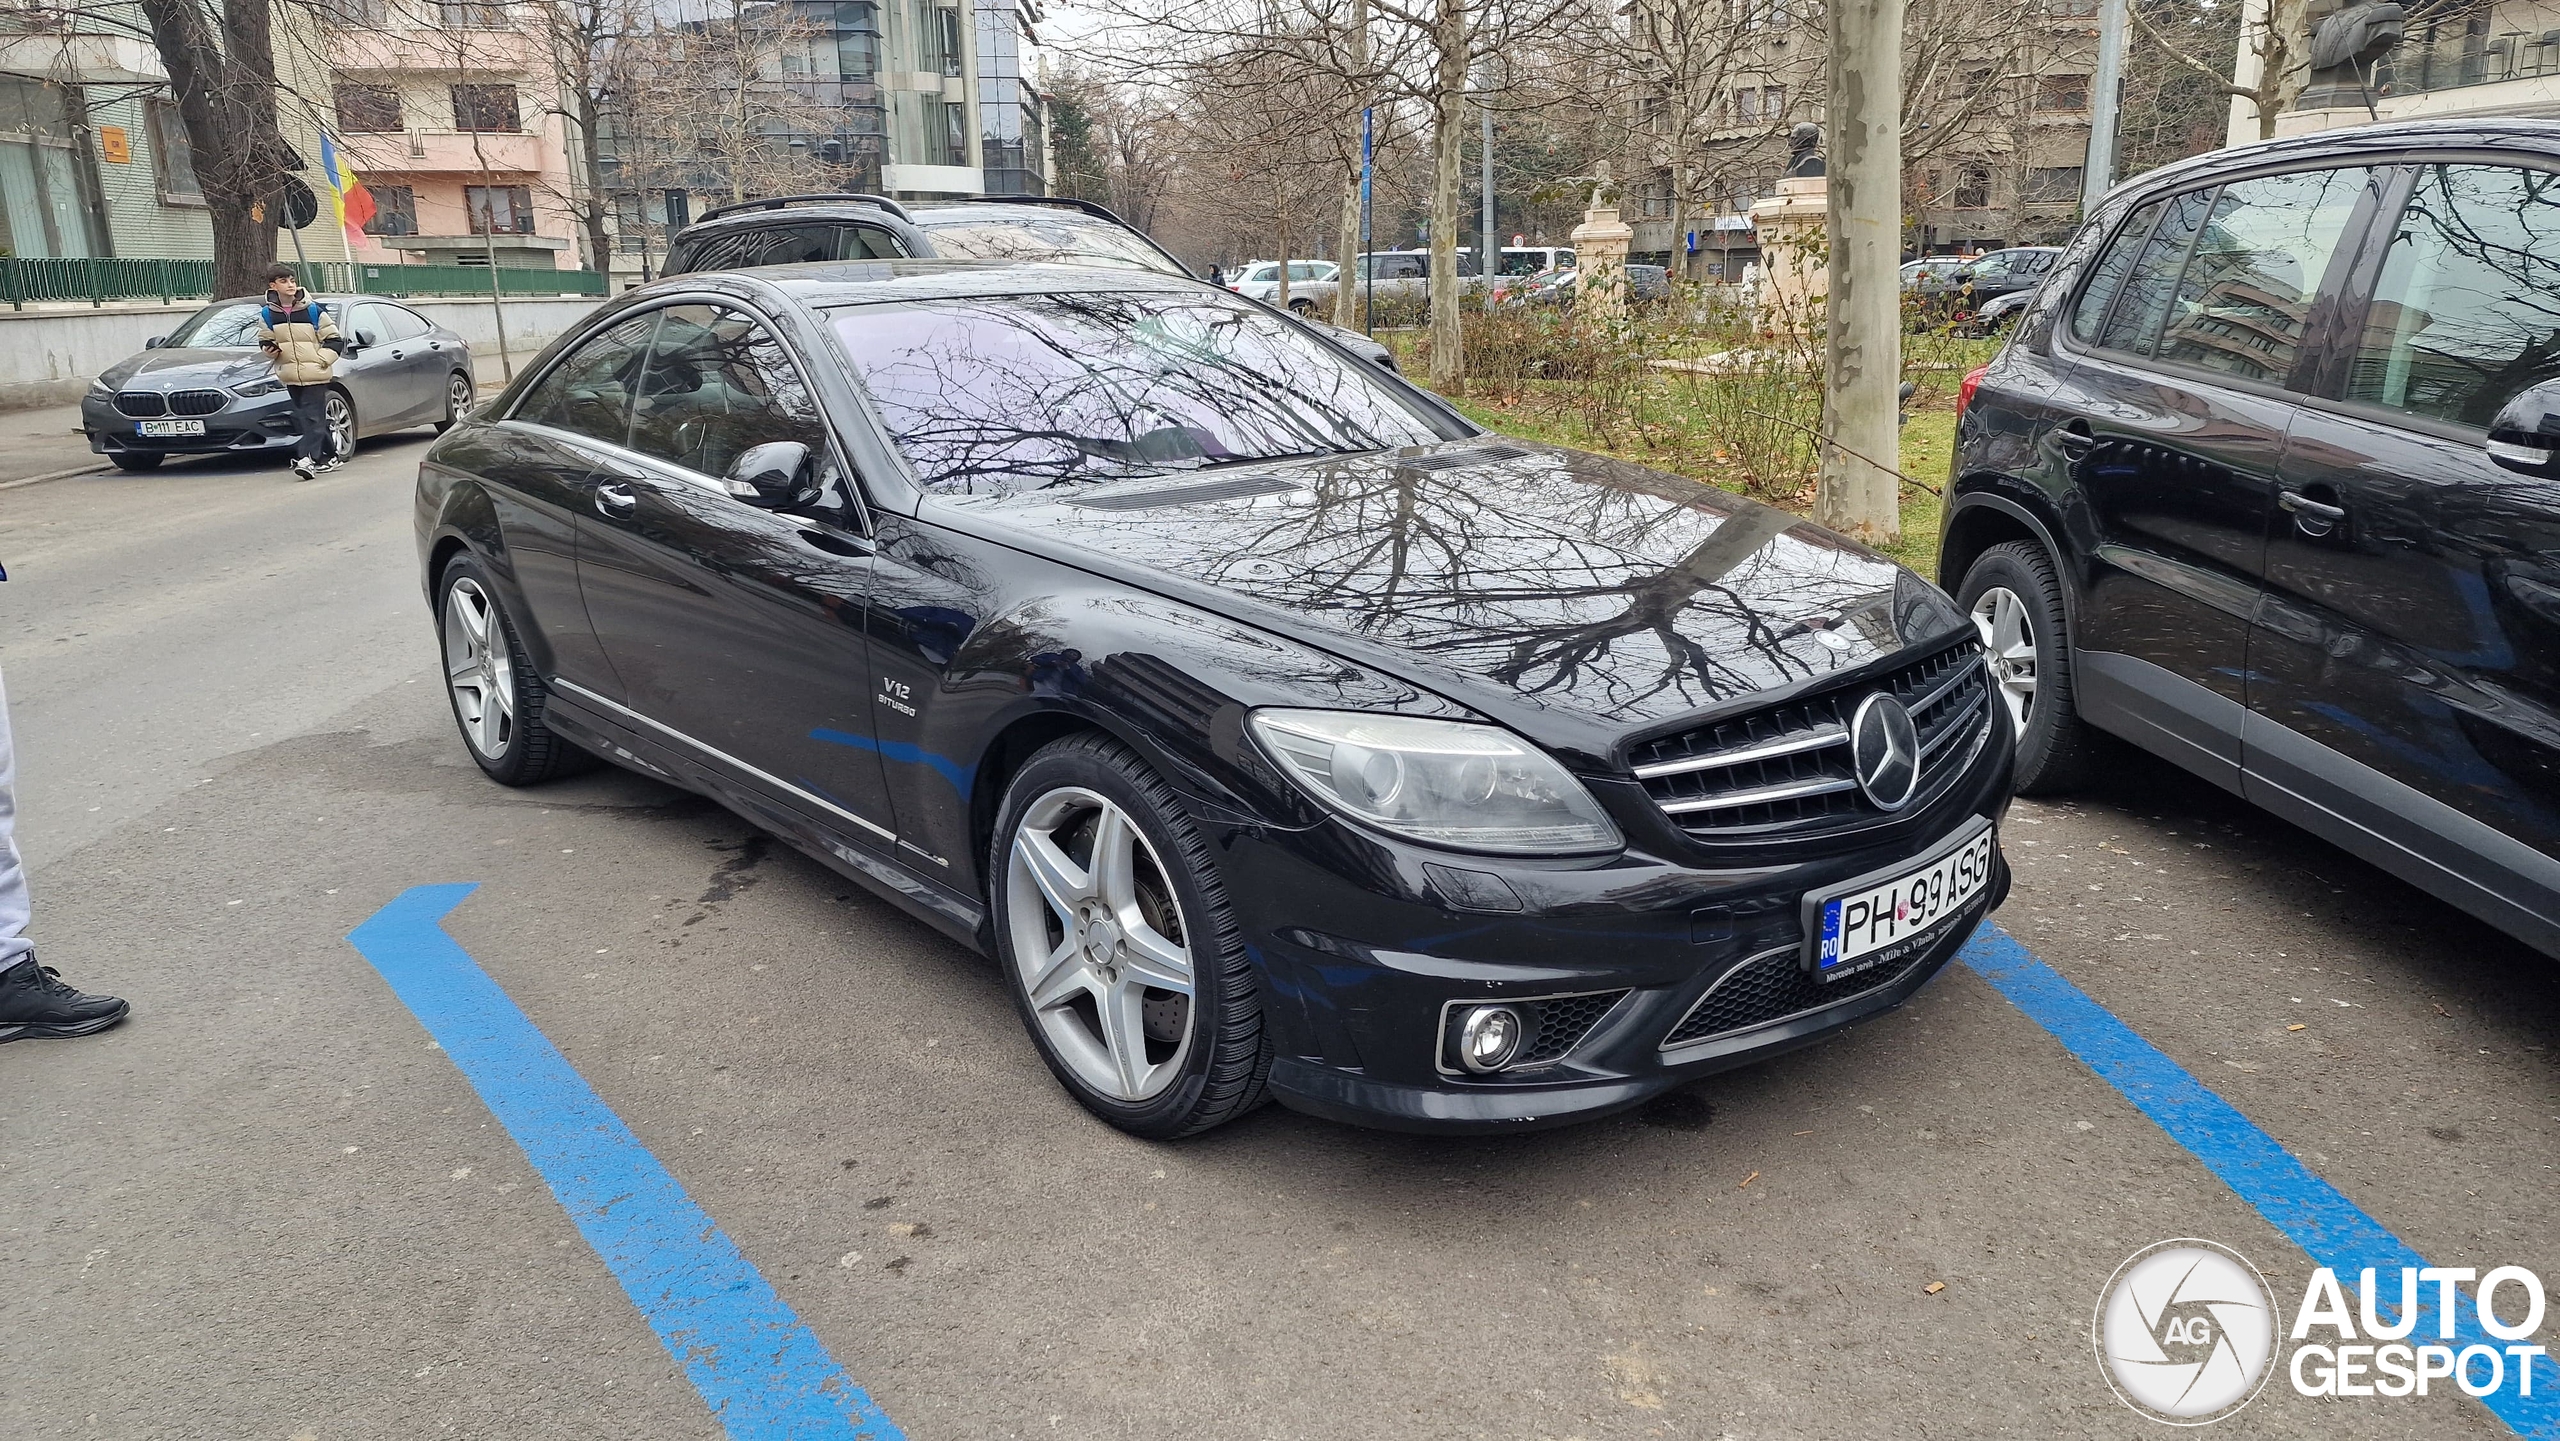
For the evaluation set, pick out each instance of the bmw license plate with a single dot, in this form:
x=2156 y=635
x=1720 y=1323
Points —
x=170 y=427
x=1889 y=915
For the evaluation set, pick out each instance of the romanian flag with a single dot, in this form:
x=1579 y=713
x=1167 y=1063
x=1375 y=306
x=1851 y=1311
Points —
x=354 y=203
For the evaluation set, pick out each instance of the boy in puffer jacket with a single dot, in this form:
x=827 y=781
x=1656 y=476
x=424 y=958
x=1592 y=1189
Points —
x=296 y=333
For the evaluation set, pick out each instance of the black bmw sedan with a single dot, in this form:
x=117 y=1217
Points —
x=1277 y=731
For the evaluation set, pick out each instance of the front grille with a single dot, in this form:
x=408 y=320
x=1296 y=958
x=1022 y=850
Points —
x=1787 y=769
x=141 y=404
x=1557 y=1026
x=195 y=402
x=1772 y=988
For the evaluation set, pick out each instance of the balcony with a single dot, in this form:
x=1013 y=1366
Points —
x=499 y=54
x=450 y=152
x=86 y=59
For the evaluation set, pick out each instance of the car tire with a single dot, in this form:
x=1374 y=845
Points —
x=1303 y=307
x=458 y=396
x=1079 y=943
x=338 y=412
x=497 y=695
x=134 y=460
x=2015 y=600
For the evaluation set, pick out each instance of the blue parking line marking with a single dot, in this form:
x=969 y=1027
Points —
x=2331 y=1229
x=760 y=1369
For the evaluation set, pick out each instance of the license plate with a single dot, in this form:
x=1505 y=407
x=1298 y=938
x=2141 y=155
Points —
x=171 y=427
x=1887 y=916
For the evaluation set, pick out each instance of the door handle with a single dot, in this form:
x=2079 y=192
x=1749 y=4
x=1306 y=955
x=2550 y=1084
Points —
x=615 y=501
x=2076 y=444
x=2317 y=519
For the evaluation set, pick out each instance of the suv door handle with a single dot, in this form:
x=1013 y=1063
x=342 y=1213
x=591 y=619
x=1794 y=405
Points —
x=2303 y=505
x=2076 y=444
x=614 y=501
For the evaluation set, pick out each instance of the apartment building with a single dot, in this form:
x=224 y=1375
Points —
x=2001 y=94
x=447 y=111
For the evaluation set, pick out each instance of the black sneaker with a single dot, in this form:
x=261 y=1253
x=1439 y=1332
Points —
x=35 y=1002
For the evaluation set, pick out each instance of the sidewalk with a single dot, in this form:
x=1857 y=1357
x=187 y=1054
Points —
x=43 y=441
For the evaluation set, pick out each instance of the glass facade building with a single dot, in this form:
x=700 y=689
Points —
x=1009 y=111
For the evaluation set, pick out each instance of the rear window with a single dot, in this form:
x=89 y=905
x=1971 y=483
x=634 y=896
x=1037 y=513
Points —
x=1068 y=238
x=1005 y=394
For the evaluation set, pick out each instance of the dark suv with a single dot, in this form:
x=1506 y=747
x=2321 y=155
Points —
x=2267 y=482
x=795 y=229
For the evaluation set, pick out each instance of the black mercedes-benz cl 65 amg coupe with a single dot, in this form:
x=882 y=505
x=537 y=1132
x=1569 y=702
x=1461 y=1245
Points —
x=1277 y=731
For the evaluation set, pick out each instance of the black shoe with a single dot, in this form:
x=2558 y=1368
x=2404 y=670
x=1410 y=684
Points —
x=35 y=1002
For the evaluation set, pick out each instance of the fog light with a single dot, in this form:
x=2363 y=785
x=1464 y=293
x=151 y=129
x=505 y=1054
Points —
x=1488 y=1038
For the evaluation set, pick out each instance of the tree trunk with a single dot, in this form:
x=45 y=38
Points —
x=1855 y=494
x=226 y=92
x=1346 y=292
x=1448 y=151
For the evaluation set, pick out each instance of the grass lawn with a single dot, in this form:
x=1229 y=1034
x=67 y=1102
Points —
x=1927 y=441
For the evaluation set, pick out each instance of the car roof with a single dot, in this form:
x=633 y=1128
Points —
x=824 y=284
x=2360 y=142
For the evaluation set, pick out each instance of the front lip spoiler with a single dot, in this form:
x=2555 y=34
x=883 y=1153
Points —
x=1353 y=1099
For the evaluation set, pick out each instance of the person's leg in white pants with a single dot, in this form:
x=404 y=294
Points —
x=33 y=1002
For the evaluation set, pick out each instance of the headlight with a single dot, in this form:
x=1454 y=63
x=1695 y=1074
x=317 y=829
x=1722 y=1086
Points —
x=1446 y=783
x=263 y=385
x=99 y=386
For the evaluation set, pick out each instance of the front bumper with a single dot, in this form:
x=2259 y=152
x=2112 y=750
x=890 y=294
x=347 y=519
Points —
x=1365 y=944
x=244 y=424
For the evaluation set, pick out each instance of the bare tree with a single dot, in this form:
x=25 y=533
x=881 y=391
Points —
x=2279 y=35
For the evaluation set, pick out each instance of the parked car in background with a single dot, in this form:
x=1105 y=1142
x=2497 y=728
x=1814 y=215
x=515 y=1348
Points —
x=2267 y=481
x=2002 y=272
x=2000 y=311
x=1645 y=284
x=1311 y=284
x=205 y=389
x=1405 y=275
x=1932 y=275
x=797 y=229
x=1278 y=732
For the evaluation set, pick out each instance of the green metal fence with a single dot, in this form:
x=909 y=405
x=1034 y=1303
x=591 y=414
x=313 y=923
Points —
x=24 y=281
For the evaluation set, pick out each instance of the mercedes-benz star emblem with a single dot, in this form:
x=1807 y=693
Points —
x=1885 y=748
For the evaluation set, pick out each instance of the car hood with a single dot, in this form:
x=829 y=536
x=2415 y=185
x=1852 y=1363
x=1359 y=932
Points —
x=1580 y=599
x=177 y=369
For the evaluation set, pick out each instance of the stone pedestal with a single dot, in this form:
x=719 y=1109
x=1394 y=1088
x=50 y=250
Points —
x=1795 y=268
x=1600 y=260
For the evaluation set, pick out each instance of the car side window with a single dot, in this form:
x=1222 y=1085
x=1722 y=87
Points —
x=717 y=382
x=366 y=327
x=716 y=252
x=403 y=324
x=870 y=242
x=2256 y=269
x=788 y=245
x=2106 y=278
x=589 y=391
x=2467 y=310
x=2153 y=279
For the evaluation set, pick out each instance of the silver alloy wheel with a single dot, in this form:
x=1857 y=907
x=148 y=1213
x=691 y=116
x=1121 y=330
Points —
x=2009 y=636
x=342 y=425
x=457 y=398
x=1099 y=943
x=478 y=669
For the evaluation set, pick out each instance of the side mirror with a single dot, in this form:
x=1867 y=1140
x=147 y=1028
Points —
x=2526 y=435
x=770 y=476
x=155 y=342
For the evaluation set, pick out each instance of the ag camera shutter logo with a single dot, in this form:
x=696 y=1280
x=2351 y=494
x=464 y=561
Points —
x=2186 y=1332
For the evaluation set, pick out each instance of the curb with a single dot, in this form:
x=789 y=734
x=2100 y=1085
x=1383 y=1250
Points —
x=54 y=475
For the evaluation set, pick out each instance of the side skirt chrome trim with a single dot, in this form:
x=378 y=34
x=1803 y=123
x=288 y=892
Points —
x=821 y=802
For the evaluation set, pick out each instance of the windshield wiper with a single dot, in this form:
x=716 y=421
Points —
x=1275 y=459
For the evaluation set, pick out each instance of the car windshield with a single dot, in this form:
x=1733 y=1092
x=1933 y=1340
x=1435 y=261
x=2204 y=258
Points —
x=232 y=325
x=969 y=234
x=1005 y=394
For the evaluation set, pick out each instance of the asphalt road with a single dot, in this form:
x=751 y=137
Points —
x=268 y=1207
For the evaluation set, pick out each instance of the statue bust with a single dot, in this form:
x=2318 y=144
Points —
x=1804 y=150
x=2347 y=38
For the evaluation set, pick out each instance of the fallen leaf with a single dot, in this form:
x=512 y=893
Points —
x=1747 y=1180
x=1933 y=1288
x=2297 y=1026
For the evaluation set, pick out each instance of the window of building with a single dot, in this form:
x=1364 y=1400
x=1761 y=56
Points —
x=955 y=132
x=368 y=109
x=357 y=14
x=1973 y=187
x=2467 y=312
x=2062 y=93
x=173 y=160
x=395 y=210
x=474 y=15
x=946 y=30
x=499 y=209
x=2051 y=184
x=485 y=107
x=46 y=205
